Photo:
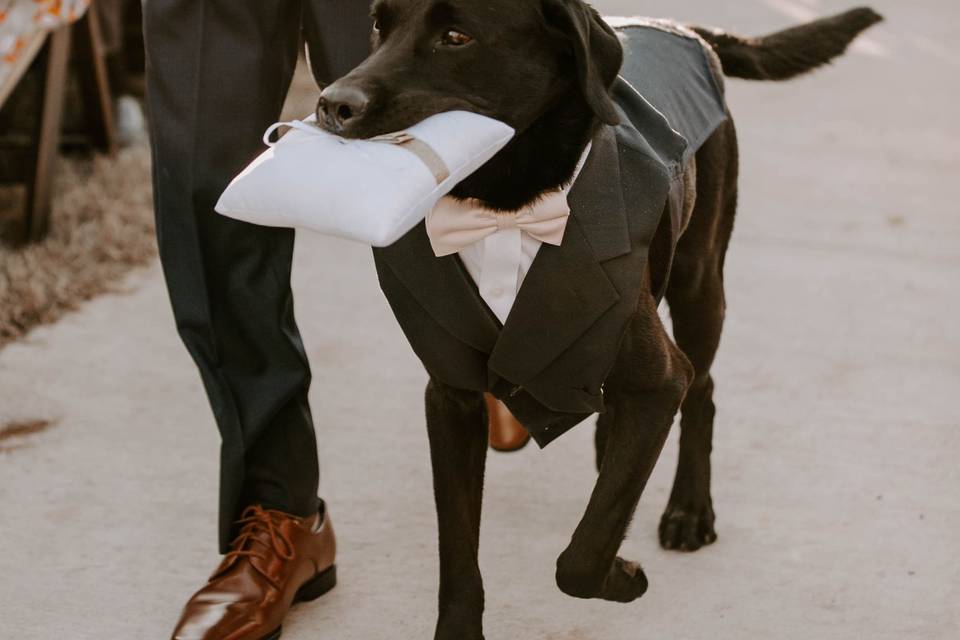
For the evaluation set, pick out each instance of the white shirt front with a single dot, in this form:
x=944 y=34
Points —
x=499 y=263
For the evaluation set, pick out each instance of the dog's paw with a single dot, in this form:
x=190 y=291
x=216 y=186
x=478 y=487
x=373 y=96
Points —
x=453 y=633
x=461 y=618
x=687 y=529
x=459 y=621
x=625 y=581
x=451 y=630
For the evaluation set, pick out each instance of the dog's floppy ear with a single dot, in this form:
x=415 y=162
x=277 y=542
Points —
x=595 y=48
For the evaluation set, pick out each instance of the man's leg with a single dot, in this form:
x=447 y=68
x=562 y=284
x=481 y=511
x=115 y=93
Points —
x=218 y=73
x=338 y=36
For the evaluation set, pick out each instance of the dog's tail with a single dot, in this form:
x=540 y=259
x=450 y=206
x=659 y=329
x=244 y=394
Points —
x=790 y=53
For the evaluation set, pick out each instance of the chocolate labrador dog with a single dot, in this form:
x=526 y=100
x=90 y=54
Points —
x=547 y=68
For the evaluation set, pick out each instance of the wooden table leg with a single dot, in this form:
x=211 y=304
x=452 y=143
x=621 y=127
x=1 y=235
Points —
x=57 y=56
x=94 y=82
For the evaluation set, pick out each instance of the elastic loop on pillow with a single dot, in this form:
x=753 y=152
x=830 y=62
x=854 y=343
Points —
x=299 y=125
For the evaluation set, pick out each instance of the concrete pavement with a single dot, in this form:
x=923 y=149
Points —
x=835 y=481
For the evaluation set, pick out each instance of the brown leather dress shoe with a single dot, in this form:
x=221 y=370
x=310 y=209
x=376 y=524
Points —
x=506 y=433
x=276 y=561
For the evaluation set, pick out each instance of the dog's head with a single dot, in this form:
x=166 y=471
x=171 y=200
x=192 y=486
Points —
x=512 y=60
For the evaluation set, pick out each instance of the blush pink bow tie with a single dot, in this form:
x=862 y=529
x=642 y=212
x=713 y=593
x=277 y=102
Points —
x=455 y=224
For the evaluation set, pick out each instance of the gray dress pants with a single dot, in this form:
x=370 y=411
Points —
x=217 y=74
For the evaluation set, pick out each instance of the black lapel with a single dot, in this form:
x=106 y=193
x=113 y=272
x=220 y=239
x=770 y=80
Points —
x=443 y=288
x=596 y=198
x=566 y=289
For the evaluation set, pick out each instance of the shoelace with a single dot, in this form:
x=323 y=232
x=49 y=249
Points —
x=257 y=520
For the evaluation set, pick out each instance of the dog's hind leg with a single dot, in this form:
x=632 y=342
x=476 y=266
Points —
x=643 y=392
x=457 y=428
x=688 y=521
x=696 y=298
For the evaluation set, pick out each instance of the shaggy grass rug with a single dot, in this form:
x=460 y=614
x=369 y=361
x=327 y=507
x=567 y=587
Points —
x=101 y=226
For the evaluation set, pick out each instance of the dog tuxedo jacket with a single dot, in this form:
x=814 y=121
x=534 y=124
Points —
x=548 y=361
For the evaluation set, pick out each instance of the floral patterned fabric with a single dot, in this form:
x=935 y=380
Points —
x=20 y=20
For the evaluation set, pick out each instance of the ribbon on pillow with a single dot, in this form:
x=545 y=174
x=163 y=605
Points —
x=420 y=149
x=414 y=145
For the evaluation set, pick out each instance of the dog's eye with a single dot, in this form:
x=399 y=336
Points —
x=454 y=38
x=376 y=26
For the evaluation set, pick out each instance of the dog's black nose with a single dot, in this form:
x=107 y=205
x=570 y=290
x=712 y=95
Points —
x=339 y=104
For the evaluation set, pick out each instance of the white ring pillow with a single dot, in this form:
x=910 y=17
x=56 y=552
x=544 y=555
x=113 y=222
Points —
x=372 y=191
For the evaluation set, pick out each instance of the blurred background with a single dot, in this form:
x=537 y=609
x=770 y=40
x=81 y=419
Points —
x=835 y=476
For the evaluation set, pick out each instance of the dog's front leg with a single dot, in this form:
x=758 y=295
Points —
x=457 y=427
x=643 y=395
